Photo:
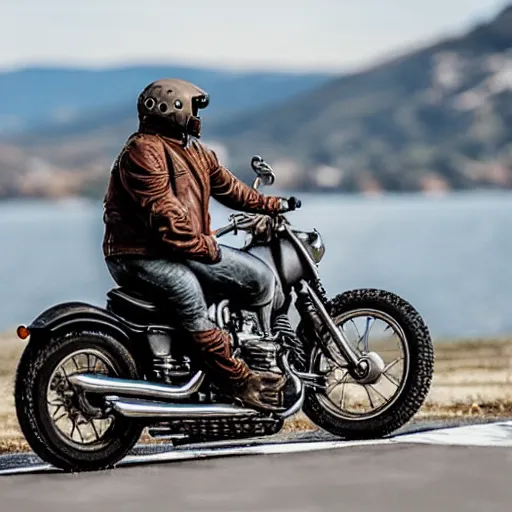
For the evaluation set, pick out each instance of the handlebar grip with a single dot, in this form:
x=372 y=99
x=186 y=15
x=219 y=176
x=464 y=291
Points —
x=294 y=203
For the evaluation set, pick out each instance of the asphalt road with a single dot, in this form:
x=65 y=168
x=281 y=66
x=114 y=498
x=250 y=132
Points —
x=394 y=477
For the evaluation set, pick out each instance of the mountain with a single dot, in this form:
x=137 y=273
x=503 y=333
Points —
x=32 y=98
x=438 y=118
x=61 y=128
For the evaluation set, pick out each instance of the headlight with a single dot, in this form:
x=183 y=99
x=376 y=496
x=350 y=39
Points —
x=317 y=246
x=313 y=243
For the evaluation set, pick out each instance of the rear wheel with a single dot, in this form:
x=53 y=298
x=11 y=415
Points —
x=66 y=428
x=382 y=324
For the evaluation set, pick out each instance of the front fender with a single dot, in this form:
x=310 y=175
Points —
x=77 y=313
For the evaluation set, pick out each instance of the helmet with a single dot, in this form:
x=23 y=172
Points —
x=171 y=105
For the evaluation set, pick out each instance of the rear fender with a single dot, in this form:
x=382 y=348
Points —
x=68 y=315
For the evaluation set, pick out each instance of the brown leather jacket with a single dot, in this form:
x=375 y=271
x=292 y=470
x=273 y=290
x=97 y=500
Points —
x=156 y=203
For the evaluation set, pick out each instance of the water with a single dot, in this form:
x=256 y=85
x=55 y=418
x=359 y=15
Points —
x=449 y=256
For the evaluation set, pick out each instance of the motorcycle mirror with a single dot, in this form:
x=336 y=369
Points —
x=263 y=170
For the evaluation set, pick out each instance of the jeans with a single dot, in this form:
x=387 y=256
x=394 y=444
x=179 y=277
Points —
x=182 y=285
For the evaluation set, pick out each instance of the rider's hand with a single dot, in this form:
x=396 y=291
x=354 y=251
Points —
x=262 y=228
x=288 y=205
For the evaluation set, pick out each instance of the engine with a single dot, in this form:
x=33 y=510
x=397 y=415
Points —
x=172 y=366
x=171 y=369
x=257 y=353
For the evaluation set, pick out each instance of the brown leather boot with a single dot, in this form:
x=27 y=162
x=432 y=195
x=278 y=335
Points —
x=260 y=390
x=214 y=352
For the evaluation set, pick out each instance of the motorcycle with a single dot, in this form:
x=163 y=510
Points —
x=91 y=379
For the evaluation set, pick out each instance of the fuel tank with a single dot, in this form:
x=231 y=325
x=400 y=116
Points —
x=284 y=261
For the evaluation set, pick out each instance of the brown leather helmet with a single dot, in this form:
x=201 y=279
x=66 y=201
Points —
x=173 y=105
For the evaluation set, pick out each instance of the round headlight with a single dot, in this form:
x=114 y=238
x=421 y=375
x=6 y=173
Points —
x=317 y=246
x=313 y=243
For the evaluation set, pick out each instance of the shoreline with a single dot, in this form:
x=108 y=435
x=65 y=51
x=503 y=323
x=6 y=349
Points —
x=78 y=199
x=472 y=379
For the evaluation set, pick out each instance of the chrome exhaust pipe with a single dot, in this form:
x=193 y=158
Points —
x=94 y=383
x=134 y=408
x=297 y=383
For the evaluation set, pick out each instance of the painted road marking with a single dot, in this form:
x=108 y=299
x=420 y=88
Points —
x=489 y=435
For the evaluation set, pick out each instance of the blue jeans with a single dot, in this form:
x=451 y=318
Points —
x=183 y=285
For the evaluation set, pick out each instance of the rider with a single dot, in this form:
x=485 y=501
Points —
x=158 y=238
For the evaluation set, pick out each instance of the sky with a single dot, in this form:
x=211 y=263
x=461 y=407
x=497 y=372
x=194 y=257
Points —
x=316 y=35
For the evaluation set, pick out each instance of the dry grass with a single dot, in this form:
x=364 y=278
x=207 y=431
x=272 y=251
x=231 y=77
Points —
x=11 y=438
x=472 y=379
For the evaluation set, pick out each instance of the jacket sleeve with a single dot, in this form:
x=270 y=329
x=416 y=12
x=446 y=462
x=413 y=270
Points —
x=235 y=194
x=145 y=176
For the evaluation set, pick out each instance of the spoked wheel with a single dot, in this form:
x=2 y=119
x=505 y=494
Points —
x=65 y=427
x=347 y=394
x=77 y=420
x=392 y=338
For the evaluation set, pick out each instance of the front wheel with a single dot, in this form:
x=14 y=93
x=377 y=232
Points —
x=66 y=428
x=380 y=323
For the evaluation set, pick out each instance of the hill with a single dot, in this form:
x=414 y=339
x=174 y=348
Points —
x=36 y=97
x=61 y=128
x=436 y=119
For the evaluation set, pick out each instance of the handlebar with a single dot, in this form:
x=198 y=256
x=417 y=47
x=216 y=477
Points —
x=265 y=176
x=224 y=230
x=292 y=204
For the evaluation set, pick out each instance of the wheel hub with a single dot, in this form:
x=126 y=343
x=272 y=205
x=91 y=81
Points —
x=369 y=369
x=75 y=401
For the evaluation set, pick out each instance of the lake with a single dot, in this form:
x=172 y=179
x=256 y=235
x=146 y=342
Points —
x=449 y=256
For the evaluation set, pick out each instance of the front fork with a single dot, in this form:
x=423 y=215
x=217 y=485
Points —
x=313 y=307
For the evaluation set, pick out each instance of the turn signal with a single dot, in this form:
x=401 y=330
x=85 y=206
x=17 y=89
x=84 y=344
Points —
x=22 y=332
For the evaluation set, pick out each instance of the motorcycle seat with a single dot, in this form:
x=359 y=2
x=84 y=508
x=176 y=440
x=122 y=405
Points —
x=132 y=298
x=134 y=307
